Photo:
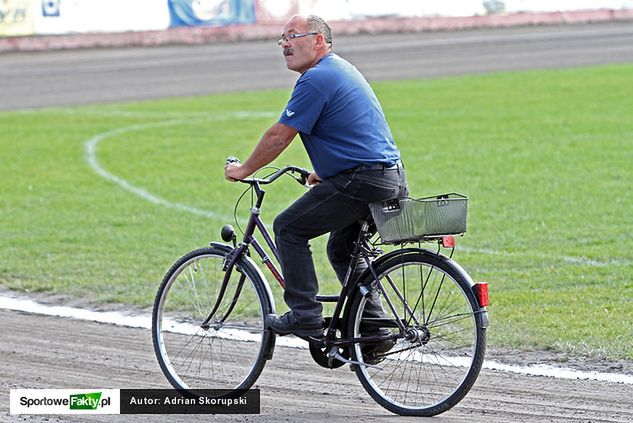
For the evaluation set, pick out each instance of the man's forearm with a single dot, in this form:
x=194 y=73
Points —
x=273 y=142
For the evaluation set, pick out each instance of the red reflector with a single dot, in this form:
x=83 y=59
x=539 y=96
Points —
x=481 y=291
x=448 y=241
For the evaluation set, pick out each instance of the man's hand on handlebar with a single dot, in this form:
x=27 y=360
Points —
x=233 y=172
x=313 y=178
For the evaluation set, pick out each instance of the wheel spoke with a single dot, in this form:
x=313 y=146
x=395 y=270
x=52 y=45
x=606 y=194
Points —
x=438 y=358
x=223 y=355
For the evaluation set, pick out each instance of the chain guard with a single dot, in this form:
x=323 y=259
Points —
x=320 y=356
x=319 y=353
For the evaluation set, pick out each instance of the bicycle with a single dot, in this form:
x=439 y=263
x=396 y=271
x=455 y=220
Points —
x=209 y=331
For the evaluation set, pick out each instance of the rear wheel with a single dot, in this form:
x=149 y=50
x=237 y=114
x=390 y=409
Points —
x=230 y=351
x=437 y=359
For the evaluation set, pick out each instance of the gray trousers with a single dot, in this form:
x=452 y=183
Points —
x=335 y=205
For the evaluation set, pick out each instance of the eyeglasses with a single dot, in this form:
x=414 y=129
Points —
x=285 y=38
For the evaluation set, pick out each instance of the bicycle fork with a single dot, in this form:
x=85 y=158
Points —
x=231 y=259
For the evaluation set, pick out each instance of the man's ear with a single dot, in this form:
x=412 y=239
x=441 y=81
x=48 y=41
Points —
x=320 y=40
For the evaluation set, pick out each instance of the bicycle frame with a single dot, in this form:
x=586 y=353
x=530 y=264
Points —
x=361 y=250
x=434 y=342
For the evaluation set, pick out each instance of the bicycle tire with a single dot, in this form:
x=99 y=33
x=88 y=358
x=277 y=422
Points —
x=227 y=356
x=432 y=370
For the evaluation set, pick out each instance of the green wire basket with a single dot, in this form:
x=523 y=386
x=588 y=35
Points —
x=414 y=219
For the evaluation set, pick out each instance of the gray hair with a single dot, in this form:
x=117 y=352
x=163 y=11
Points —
x=318 y=25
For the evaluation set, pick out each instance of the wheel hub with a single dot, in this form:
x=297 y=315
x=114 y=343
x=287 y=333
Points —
x=214 y=326
x=420 y=335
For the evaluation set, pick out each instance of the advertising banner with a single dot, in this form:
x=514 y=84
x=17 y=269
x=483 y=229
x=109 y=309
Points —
x=275 y=11
x=513 y=6
x=16 y=17
x=42 y=17
x=335 y=10
x=211 y=12
x=83 y=16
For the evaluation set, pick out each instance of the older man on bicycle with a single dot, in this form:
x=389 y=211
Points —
x=355 y=160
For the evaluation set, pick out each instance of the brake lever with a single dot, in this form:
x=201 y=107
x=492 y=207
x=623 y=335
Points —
x=303 y=177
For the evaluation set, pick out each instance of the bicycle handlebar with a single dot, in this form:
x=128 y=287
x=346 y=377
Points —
x=302 y=179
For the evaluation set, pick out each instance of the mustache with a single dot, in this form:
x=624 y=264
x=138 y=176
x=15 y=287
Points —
x=288 y=51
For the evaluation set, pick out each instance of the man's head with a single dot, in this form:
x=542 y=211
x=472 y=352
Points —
x=313 y=40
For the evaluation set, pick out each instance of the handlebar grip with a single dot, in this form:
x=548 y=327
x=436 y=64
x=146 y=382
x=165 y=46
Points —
x=232 y=159
x=304 y=176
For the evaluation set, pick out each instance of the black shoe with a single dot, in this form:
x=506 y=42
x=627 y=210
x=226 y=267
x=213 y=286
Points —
x=289 y=324
x=373 y=351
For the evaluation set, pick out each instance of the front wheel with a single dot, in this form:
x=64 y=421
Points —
x=435 y=361
x=226 y=351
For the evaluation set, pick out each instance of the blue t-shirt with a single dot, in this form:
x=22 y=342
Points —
x=339 y=119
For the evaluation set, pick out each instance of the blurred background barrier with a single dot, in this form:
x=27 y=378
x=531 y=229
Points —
x=16 y=18
x=55 y=24
x=211 y=12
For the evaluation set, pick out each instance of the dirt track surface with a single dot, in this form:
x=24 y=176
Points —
x=51 y=352
x=48 y=352
x=110 y=75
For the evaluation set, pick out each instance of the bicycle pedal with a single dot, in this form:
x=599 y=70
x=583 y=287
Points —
x=319 y=341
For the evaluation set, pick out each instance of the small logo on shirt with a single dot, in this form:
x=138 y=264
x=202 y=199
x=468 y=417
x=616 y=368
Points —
x=289 y=113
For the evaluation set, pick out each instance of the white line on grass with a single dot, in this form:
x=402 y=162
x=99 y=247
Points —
x=145 y=322
x=583 y=261
x=91 y=158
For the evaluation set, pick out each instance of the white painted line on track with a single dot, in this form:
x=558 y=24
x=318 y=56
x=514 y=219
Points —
x=112 y=317
x=559 y=372
x=145 y=322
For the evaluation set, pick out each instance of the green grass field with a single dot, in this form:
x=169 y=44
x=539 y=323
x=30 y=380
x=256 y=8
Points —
x=546 y=158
